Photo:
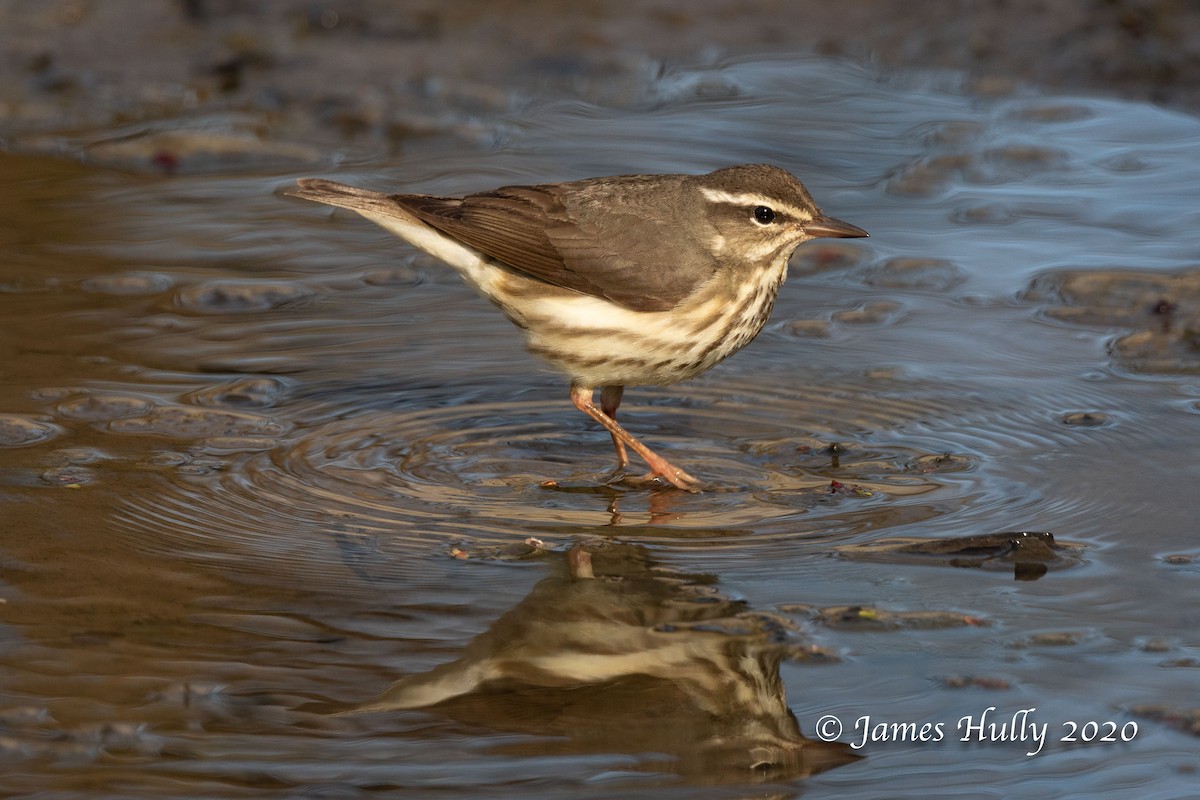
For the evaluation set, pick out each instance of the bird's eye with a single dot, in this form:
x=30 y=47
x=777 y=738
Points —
x=763 y=215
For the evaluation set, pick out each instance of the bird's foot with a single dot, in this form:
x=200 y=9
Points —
x=677 y=479
x=664 y=470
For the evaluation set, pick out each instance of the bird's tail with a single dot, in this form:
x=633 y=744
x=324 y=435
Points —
x=363 y=201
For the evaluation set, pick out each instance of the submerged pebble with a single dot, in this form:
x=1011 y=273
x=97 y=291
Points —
x=942 y=462
x=103 y=407
x=71 y=477
x=70 y=456
x=234 y=296
x=817 y=258
x=188 y=422
x=1160 y=307
x=128 y=284
x=1087 y=419
x=876 y=313
x=867 y=617
x=19 y=430
x=932 y=274
x=808 y=328
x=241 y=393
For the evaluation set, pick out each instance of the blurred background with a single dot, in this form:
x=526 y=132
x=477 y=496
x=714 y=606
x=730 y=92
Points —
x=371 y=76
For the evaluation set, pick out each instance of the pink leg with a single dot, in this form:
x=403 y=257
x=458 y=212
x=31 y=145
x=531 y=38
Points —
x=581 y=396
x=610 y=399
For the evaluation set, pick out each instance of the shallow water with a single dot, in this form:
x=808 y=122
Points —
x=260 y=461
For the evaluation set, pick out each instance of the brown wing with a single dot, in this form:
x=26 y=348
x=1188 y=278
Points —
x=623 y=253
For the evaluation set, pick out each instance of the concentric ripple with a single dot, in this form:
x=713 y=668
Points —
x=480 y=470
x=386 y=477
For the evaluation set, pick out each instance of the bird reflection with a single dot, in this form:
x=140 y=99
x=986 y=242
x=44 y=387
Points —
x=616 y=654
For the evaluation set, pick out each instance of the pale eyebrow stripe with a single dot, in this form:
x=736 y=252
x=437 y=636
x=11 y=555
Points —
x=719 y=196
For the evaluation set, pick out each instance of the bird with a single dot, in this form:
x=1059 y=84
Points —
x=626 y=280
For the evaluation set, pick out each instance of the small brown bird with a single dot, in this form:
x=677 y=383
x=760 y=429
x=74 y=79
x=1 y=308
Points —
x=620 y=281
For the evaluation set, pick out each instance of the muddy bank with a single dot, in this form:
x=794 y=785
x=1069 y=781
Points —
x=377 y=75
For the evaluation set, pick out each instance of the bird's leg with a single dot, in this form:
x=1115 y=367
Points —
x=610 y=399
x=581 y=396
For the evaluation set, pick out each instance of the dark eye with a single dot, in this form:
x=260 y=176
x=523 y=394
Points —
x=764 y=215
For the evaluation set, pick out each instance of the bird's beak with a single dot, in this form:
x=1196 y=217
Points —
x=833 y=228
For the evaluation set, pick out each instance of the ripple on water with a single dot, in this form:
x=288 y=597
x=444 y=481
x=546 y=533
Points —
x=391 y=479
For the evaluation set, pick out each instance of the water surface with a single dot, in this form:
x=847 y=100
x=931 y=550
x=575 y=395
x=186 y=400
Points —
x=260 y=461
